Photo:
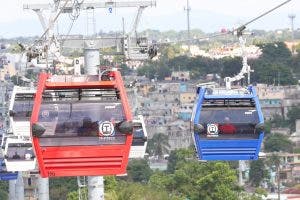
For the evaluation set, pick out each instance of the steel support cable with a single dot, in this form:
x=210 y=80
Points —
x=54 y=20
x=76 y=5
x=48 y=28
x=236 y=30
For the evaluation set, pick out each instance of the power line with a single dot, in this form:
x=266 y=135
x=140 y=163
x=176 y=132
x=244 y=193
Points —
x=236 y=31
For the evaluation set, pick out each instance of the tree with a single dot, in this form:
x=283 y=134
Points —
x=219 y=182
x=61 y=187
x=139 y=170
x=293 y=114
x=296 y=65
x=125 y=70
x=274 y=66
x=257 y=195
x=110 y=183
x=147 y=70
x=74 y=195
x=133 y=191
x=17 y=80
x=231 y=66
x=177 y=157
x=278 y=142
x=257 y=172
x=194 y=180
x=274 y=161
x=16 y=48
x=3 y=189
x=159 y=145
x=279 y=121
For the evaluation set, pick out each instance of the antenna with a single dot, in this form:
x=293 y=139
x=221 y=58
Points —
x=188 y=9
x=292 y=18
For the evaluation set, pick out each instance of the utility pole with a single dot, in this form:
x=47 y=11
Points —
x=43 y=188
x=20 y=187
x=188 y=9
x=278 y=181
x=12 y=189
x=292 y=18
x=241 y=167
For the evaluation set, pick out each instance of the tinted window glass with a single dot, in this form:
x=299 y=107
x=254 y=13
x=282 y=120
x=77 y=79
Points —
x=78 y=118
x=138 y=137
x=235 y=115
x=20 y=152
x=22 y=107
x=229 y=122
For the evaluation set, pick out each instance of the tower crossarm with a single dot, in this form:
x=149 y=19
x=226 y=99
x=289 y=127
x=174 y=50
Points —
x=93 y=4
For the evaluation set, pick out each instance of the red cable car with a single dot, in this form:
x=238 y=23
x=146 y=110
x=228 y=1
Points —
x=81 y=125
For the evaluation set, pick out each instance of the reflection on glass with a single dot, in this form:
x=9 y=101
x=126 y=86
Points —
x=229 y=120
x=80 y=118
x=138 y=137
x=22 y=110
x=19 y=152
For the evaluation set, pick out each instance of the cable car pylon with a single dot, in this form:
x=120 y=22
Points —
x=95 y=184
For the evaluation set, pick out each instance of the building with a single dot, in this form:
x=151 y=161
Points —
x=187 y=97
x=295 y=137
x=277 y=100
x=7 y=71
x=180 y=76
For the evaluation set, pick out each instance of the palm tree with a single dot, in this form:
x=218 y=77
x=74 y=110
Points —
x=158 y=145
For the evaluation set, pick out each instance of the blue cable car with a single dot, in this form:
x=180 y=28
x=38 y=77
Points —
x=5 y=175
x=227 y=124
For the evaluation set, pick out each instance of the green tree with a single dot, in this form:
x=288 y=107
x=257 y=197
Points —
x=111 y=195
x=74 y=195
x=219 y=182
x=3 y=189
x=296 y=65
x=138 y=170
x=278 y=142
x=257 y=172
x=158 y=145
x=147 y=70
x=133 y=191
x=193 y=180
x=17 y=80
x=110 y=183
x=179 y=156
x=293 y=114
x=172 y=51
x=274 y=66
x=61 y=187
x=16 y=48
x=279 y=121
x=257 y=195
x=231 y=66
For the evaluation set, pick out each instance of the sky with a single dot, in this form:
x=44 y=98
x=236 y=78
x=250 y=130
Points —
x=207 y=15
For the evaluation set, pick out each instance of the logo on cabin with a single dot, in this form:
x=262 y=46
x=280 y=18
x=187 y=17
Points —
x=212 y=130
x=45 y=114
x=106 y=128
